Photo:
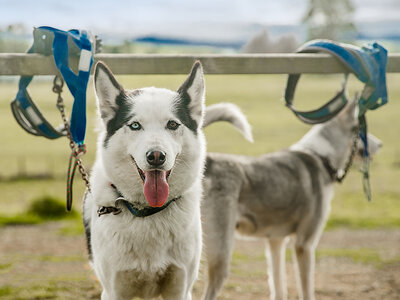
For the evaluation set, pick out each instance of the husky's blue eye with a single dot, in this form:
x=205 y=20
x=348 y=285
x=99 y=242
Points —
x=135 y=126
x=172 y=125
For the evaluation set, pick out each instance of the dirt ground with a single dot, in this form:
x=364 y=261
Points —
x=37 y=262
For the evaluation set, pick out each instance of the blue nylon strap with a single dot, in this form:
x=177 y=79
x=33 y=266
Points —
x=377 y=80
x=22 y=93
x=77 y=84
x=367 y=63
x=23 y=107
x=343 y=52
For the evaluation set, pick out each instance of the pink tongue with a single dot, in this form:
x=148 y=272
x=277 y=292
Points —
x=156 y=188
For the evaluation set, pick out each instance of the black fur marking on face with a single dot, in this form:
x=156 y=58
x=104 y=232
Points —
x=182 y=102
x=122 y=114
x=182 y=112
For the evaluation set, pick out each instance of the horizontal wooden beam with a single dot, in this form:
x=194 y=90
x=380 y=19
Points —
x=35 y=64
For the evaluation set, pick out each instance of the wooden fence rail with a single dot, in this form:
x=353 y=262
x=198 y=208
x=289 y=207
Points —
x=35 y=64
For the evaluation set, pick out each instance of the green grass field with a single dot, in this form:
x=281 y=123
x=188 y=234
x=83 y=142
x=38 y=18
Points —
x=274 y=127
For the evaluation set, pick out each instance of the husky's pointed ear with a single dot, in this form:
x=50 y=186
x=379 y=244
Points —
x=351 y=109
x=353 y=106
x=107 y=90
x=190 y=106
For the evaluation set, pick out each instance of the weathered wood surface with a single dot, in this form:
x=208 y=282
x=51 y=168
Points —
x=35 y=64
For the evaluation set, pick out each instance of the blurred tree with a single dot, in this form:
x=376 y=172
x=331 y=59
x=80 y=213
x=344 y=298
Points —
x=261 y=43
x=330 y=19
x=13 y=38
x=286 y=44
x=17 y=29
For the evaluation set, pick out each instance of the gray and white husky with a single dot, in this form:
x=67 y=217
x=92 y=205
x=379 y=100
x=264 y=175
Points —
x=142 y=216
x=274 y=197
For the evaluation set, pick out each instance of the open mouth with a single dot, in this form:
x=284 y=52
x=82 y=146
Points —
x=143 y=174
x=155 y=185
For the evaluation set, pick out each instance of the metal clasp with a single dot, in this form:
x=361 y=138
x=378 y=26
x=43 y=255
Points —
x=103 y=210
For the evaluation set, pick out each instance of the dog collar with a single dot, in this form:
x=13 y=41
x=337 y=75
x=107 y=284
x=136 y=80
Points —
x=141 y=213
x=333 y=173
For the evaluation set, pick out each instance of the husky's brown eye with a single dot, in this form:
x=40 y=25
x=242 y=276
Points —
x=135 y=126
x=172 y=125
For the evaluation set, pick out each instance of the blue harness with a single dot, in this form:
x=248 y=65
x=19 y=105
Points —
x=63 y=45
x=369 y=65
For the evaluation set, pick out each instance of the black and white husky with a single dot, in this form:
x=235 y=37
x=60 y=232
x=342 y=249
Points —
x=142 y=216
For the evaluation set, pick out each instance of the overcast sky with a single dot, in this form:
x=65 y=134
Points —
x=202 y=18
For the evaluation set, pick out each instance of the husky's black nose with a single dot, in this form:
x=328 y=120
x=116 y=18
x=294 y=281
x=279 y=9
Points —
x=155 y=158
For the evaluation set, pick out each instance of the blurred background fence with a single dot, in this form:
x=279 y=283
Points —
x=280 y=63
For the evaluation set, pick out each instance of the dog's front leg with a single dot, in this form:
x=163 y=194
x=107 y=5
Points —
x=116 y=290
x=107 y=295
x=112 y=293
x=177 y=286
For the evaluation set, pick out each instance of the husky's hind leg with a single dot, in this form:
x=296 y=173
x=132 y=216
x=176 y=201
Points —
x=275 y=253
x=305 y=257
x=304 y=261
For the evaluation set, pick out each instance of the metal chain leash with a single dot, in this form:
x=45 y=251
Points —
x=77 y=151
x=365 y=166
x=351 y=157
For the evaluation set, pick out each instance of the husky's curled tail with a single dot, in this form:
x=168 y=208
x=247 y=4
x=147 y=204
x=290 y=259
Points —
x=230 y=113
